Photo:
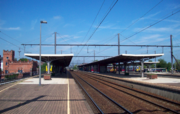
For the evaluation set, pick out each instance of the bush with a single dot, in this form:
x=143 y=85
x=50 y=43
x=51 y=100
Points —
x=11 y=76
x=7 y=77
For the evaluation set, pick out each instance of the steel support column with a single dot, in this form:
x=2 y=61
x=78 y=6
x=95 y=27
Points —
x=119 y=67
x=171 y=54
x=125 y=67
x=48 y=66
x=142 y=68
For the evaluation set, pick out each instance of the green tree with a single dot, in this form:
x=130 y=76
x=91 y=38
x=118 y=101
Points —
x=177 y=64
x=153 y=66
x=23 y=59
x=168 y=66
x=162 y=63
x=43 y=67
x=75 y=67
x=95 y=60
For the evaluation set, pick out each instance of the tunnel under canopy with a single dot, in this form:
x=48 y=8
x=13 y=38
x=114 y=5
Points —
x=58 y=61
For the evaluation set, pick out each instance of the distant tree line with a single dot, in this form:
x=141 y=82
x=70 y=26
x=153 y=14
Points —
x=163 y=64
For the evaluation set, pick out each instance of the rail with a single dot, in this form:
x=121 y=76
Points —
x=106 y=96
x=99 y=80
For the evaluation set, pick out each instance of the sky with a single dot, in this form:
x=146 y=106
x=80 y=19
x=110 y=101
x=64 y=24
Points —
x=73 y=22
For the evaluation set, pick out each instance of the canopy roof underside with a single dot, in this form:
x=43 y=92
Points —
x=62 y=59
x=125 y=58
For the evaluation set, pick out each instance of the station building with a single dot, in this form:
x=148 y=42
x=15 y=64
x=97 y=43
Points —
x=12 y=66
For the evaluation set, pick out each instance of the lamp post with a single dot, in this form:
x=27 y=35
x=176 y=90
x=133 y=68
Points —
x=40 y=53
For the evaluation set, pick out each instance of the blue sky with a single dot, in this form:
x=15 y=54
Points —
x=71 y=19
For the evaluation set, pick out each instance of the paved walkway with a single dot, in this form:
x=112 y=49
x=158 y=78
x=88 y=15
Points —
x=171 y=82
x=57 y=96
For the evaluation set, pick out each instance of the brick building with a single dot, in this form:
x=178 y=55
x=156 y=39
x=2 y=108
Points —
x=12 y=66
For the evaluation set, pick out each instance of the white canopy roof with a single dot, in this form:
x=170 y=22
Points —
x=63 y=59
x=125 y=58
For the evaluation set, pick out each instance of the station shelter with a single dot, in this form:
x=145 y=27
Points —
x=58 y=61
x=118 y=61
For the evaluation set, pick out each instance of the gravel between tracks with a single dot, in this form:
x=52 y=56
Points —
x=105 y=105
x=133 y=104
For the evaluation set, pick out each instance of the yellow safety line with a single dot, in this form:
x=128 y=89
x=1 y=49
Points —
x=68 y=106
x=15 y=84
x=8 y=87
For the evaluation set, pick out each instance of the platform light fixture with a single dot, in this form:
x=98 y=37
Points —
x=45 y=22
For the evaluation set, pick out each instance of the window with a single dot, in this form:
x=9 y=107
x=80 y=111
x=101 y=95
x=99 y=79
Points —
x=7 y=57
x=6 y=63
x=6 y=71
x=20 y=71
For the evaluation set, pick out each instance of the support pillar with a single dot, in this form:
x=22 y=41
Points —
x=171 y=54
x=31 y=74
x=119 y=67
x=48 y=66
x=128 y=68
x=98 y=68
x=142 y=68
x=114 y=67
x=125 y=67
x=106 y=68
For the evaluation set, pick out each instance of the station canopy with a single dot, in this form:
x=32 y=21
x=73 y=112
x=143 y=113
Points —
x=62 y=59
x=125 y=58
x=145 y=63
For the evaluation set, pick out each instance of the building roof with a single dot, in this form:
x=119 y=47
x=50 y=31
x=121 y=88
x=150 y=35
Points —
x=63 y=59
x=125 y=58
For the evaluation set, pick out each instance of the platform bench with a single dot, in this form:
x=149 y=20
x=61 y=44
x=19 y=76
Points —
x=152 y=76
x=47 y=77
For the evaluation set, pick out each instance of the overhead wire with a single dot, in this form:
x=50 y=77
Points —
x=105 y=44
x=138 y=20
x=47 y=38
x=99 y=25
x=10 y=43
x=10 y=37
x=92 y=23
x=34 y=39
x=141 y=17
x=150 y=26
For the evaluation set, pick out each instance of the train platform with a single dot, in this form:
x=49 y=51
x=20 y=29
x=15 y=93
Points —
x=61 y=95
x=163 y=79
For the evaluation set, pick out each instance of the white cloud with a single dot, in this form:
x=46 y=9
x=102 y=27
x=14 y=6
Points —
x=147 y=17
x=68 y=25
x=81 y=31
x=151 y=39
x=162 y=29
x=176 y=6
x=2 y=22
x=108 y=27
x=64 y=38
x=11 y=28
x=57 y=17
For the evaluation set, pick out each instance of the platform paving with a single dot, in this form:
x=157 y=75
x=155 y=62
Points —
x=171 y=82
x=49 y=98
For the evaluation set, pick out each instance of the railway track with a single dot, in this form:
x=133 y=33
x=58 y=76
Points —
x=103 y=103
x=154 y=103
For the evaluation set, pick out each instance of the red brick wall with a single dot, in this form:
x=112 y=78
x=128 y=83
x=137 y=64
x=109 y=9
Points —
x=14 y=66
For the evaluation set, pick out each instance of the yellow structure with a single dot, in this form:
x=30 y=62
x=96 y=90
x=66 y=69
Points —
x=112 y=70
x=50 y=69
x=138 y=69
